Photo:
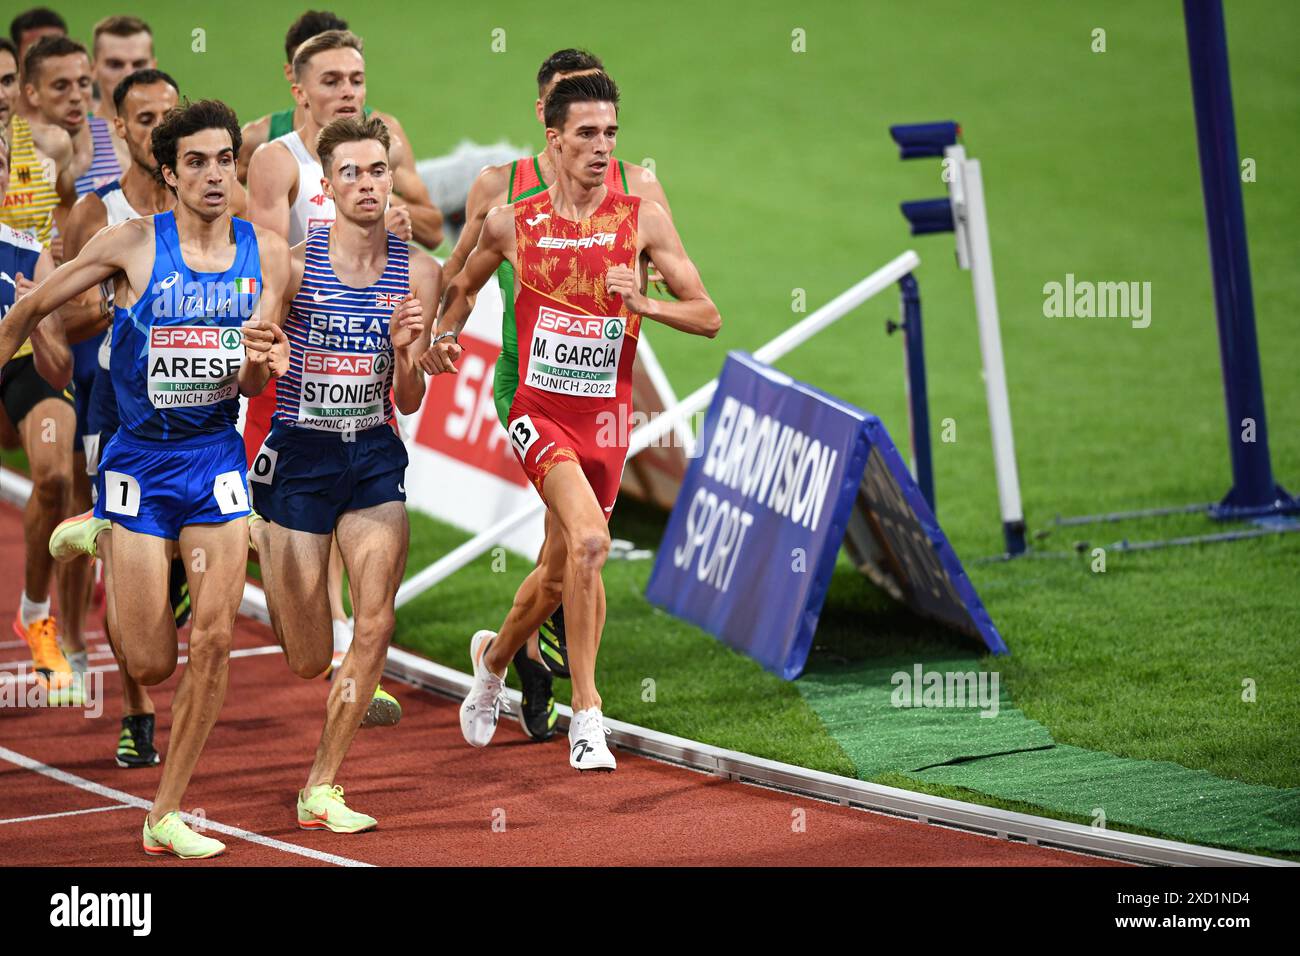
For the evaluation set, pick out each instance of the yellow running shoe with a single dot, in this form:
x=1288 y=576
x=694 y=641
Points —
x=324 y=809
x=76 y=536
x=172 y=835
x=53 y=672
x=384 y=710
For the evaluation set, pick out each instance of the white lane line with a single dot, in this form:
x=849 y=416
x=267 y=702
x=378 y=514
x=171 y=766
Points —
x=30 y=676
x=65 y=813
x=131 y=800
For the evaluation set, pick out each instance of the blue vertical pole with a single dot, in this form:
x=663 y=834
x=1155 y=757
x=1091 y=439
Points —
x=1253 y=490
x=917 y=396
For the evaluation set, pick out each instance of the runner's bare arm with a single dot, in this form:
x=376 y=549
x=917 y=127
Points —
x=297 y=265
x=271 y=176
x=694 y=311
x=495 y=243
x=408 y=378
x=85 y=316
x=426 y=218
x=104 y=255
x=265 y=346
x=50 y=352
x=255 y=134
x=488 y=190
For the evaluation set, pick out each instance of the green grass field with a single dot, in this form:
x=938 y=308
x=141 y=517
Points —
x=782 y=177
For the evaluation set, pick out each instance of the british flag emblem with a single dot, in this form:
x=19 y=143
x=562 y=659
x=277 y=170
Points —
x=386 y=300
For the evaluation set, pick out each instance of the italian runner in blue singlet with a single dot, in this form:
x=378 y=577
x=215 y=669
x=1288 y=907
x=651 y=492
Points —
x=332 y=447
x=177 y=458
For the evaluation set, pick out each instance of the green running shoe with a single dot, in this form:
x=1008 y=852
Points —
x=171 y=835
x=76 y=536
x=324 y=809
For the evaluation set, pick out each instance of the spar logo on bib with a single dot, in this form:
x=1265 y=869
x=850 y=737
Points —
x=193 y=364
x=343 y=391
x=575 y=354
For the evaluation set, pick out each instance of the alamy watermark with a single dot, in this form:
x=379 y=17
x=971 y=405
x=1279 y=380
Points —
x=1085 y=299
x=20 y=689
x=961 y=689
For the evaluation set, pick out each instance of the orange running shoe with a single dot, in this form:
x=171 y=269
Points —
x=42 y=637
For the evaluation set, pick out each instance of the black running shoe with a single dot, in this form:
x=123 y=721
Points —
x=538 y=714
x=550 y=641
x=135 y=745
x=178 y=590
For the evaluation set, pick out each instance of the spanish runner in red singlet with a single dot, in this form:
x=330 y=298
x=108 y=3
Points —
x=545 y=654
x=578 y=251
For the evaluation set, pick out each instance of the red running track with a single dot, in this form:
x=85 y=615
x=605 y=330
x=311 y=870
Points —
x=436 y=798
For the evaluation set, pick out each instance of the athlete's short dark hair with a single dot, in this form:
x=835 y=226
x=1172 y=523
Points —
x=588 y=88
x=48 y=48
x=7 y=46
x=187 y=120
x=566 y=61
x=34 y=19
x=140 y=78
x=307 y=26
x=349 y=129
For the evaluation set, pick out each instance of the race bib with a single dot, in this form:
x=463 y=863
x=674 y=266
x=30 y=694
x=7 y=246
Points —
x=522 y=435
x=229 y=492
x=343 y=391
x=121 y=494
x=263 y=469
x=193 y=365
x=575 y=354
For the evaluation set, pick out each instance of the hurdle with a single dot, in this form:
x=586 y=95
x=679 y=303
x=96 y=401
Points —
x=963 y=214
x=896 y=271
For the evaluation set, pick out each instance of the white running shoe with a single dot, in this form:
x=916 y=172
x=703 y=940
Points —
x=480 y=710
x=587 y=747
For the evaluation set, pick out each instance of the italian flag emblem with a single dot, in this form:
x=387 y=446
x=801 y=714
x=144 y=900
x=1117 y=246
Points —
x=246 y=286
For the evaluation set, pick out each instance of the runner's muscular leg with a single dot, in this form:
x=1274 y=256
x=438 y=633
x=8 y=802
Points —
x=214 y=564
x=586 y=536
x=373 y=542
x=47 y=432
x=135 y=699
x=335 y=584
x=294 y=574
x=77 y=575
x=535 y=601
x=135 y=587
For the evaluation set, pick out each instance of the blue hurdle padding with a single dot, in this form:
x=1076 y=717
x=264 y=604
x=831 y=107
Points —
x=928 y=215
x=918 y=140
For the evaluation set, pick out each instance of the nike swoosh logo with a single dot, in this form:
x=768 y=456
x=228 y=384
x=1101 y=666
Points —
x=318 y=298
x=400 y=488
x=5 y=276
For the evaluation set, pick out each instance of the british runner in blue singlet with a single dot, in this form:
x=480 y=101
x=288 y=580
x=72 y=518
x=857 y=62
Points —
x=177 y=459
x=332 y=447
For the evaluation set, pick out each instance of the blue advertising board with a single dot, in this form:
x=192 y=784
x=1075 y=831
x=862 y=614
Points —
x=784 y=469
